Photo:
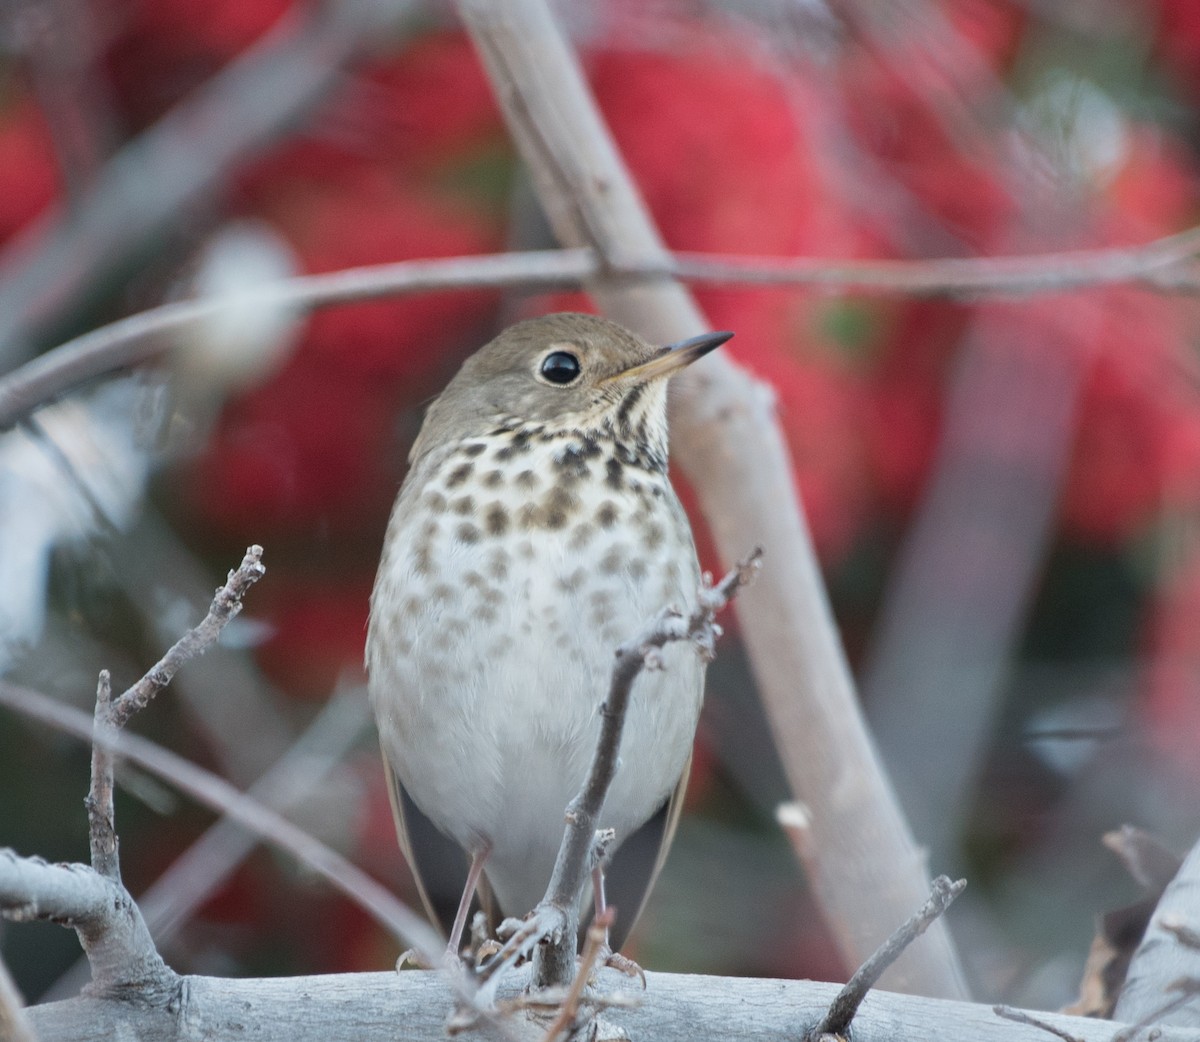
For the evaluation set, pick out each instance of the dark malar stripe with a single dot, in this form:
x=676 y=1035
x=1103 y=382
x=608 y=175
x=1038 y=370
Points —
x=627 y=407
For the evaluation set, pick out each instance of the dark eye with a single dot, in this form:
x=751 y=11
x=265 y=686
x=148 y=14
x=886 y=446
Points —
x=560 y=367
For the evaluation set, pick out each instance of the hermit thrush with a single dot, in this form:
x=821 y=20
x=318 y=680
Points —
x=535 y=532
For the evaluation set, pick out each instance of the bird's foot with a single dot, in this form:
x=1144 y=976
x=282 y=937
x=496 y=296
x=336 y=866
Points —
x=621 y=963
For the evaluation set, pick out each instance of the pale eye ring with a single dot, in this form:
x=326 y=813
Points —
x=560 y=367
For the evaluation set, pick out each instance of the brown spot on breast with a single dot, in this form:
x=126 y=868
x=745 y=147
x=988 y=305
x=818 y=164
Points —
x=434 y=501
x=498 y=565
x=581 y=535
x=527 y=479
x=493 y=478
x=572 y=582
x=495 y=519
x=459 y=474
x=442 y=592
x=571 y=466
x=612 y=561
x=607 y=515
x=557 y=507
x=599 y=615
x=476 y=448
x=637 y=568
x=562 y=499
x=467 y=533
x=653 y=535
x=614 y=471
x=423 y=560
x=464 y=505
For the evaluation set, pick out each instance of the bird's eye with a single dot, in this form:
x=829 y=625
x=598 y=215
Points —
x=560 y=367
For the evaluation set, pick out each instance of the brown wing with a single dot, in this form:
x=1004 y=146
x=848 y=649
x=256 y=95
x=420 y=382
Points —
x=636 y=866
x=437 y=863
x=400 y=801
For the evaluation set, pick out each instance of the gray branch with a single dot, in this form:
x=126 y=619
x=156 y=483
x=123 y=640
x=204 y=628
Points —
x=124 y=961
x=381 y=1007
x=1164 y=264
x=1166 y=965
x=226 y=604
x=836 y=1023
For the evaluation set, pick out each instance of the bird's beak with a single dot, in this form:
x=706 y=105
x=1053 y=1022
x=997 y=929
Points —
x=672 y=358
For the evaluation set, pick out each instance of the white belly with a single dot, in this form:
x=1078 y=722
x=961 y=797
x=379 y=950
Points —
x=489 y=658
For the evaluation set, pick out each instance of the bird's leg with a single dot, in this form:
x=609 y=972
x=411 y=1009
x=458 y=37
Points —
x=478 y=857
x=614 y=960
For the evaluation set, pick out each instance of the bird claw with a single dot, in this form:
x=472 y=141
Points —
x=623 y=964
x=486 y=949
x=411 y=957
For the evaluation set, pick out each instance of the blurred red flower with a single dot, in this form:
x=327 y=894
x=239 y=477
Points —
x=29 y=177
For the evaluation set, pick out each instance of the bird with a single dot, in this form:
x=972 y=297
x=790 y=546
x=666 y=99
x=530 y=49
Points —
x=536 y=530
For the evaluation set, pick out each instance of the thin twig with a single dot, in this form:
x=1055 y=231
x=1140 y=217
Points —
x=225 y=605
x=592 y=947
x=554 y=961
x=836 y=1022
x=120 y=950
x=102 y=832
x=140 y=337
x=1021 y=1017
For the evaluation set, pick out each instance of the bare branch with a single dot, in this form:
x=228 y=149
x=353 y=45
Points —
x=225 y=606
x=1186 y=990
x=1163 y=264
x=592 y=947
x=216 y=793
x=384 y=1006
x=1021 y=1017
x=1165 y=960
x=118 y=945
x=102 y=833
x=836 y=1022
x=140 y=337
x=206 y=865
x=1160 y=264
